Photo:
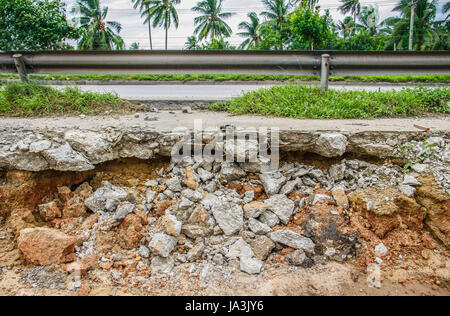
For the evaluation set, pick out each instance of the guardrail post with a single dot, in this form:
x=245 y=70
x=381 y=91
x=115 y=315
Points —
x=325 y=71
x=21 y=68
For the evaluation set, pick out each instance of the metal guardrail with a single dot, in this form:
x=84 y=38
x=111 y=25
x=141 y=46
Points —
x=309 y=63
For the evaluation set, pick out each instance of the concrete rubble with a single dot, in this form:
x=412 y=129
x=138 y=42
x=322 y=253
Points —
x=214 y=217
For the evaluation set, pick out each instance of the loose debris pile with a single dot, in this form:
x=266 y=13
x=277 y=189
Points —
x=196 y=228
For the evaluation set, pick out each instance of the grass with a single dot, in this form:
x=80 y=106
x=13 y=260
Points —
x=303 y=102
x=18 y=99
x=218 y=78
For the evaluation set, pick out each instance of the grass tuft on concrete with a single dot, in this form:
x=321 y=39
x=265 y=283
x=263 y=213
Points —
x=31 y=99
x=304 y=102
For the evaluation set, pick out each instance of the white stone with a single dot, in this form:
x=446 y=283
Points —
x=380 y=250
x=251 y=265
x=281 y=206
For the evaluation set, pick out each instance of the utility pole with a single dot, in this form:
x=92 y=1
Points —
x=411 y=27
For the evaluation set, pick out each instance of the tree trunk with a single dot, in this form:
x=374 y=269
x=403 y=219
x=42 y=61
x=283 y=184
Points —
x=411 y=28
x=149 y=29
x=167 y=34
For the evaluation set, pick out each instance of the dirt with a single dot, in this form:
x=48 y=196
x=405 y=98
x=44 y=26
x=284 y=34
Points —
x=414 y=230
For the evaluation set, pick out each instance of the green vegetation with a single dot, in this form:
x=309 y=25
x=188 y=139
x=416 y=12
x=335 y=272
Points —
x=96 y=32
x=281 y=78
x=301 y=24
x=18 y=99
x=34 y=25
x=304 y=102
x=420 y=159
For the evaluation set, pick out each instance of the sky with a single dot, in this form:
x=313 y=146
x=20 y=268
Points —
x=133 y=29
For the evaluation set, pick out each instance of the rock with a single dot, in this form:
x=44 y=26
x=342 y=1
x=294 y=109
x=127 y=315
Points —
x=131 y=231
x=331 y=145
x=293 y=240
x=330 y=252
x=249 y=196
x=187 y=110
x=297 y=257
x=196 y=252
x=407 y=190
x=45 y=246
x=250 y=265
x=290 y=186
x=189 y=179
x=210 y=187
x=218 y=259
x=437 y=204
x=39 y=146
x=255 y=209
x=144 y=252
x=185 y=203
x=122 y=211
x=380 y=250
x=340 y=197
x=107 y=198
x=322 y=198
x=162 y=244
x=240 y=249
x=281 y=206
x=150 y=196
x=257 y=227
x=198 y=216
x=385 y=209
x=375 y=150
x=49 y=211
x=231 y=171
x=192 y=195
x=410 y=180
x=262 y=247
x=436 y=141
x=174 y=184
x=151 y=183
x=77 y=268
x=195 y=231
x=172 y=225
x=419 y=168
x=337 y=172
x=64 y=158
x=161 y=265
x=204 y=175
x=229 y=216
x=269 y=218
x=272 y=182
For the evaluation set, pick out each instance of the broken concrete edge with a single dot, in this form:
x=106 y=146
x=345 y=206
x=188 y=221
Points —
x=75 y=149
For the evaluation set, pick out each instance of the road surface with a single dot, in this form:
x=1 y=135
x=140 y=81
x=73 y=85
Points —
x=207 y=92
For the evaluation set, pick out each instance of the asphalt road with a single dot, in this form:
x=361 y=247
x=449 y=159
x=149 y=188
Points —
x=207 y=92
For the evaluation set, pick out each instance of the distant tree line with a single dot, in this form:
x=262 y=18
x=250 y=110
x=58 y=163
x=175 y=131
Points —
x=283 y=25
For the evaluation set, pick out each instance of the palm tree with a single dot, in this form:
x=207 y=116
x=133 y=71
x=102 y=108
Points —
x=163 y=12
x=191 y=43
x=369 y=18
x=352 y=6
x=304 y=3
x=277 y=11
x=97 y=33
x=144 y=9
x=446 y=9
x=211 y=22
x=134 y=46
x=252 y=34
x=346 y=27
x=425 y=36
